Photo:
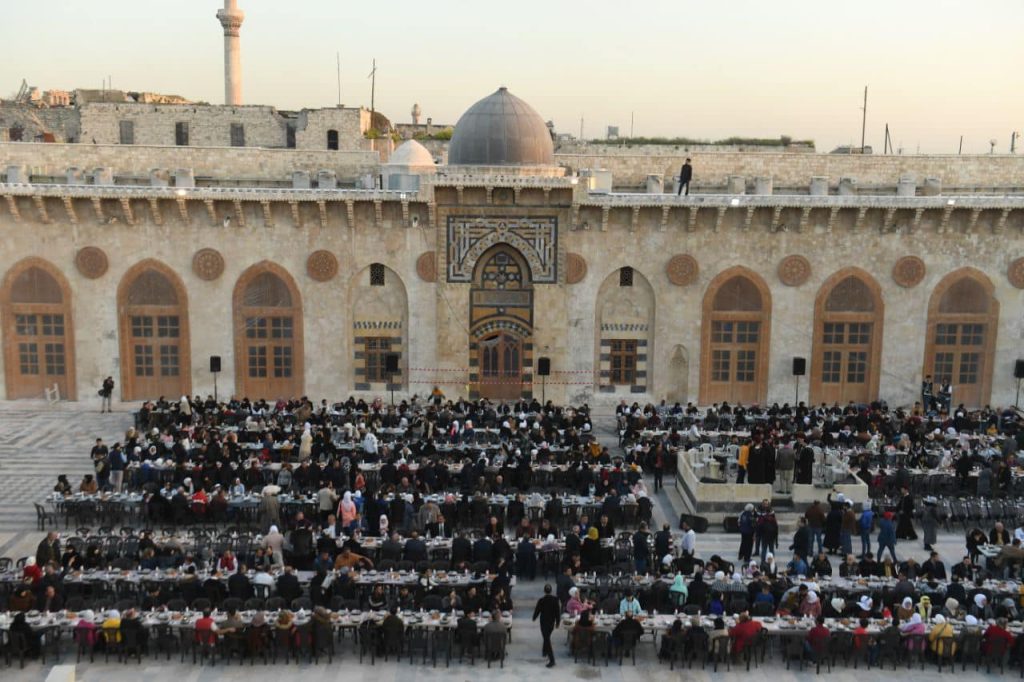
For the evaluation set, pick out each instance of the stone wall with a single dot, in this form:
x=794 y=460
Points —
x=957 y=173
x=33 y=122
x=223 y=163
x=208 y=125
x=312 y=126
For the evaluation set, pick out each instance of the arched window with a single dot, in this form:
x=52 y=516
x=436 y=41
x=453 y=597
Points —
x=332 y=140
x=38 y=333
x=268 y=334
x=848 y=318
x=962 y=318
x=735 y=333
x=153 y=319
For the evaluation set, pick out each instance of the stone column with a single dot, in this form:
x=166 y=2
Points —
x=231 y=19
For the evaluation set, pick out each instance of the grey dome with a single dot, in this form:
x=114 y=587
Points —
x=501 y=130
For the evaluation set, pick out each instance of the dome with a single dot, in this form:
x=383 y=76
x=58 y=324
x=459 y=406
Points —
x=411 y=153
x=501 y=130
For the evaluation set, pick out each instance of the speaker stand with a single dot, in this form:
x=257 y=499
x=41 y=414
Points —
x=796 y=400
x=1016 y=403
x=215 y=386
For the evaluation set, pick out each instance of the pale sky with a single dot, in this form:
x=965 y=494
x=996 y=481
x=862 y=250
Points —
x=936 y=69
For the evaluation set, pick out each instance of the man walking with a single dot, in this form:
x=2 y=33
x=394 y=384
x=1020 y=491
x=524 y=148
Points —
x=548 y=610
x=106 y=393
x=685 y=175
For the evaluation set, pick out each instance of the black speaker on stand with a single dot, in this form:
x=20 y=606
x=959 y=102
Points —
x=799 y=369
x=391 y=369
x=214 y=369
x=543 y=370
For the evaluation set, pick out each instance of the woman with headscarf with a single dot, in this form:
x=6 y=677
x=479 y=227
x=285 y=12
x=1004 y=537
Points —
x=347 y=511
x=575 y=605
x=930 y=522
x=906 y=609
x=951 y=609
x=20 y=626
x=915 y=626
x=32 y=572
x=590 y=550
x=865 y=607
x=768 y=566
x=981 y=609
x=383 y=525
x=810 y=607
x=834 y=524
x=924 y=607
x=942 y=635
x=582 y=632
x=678 y=591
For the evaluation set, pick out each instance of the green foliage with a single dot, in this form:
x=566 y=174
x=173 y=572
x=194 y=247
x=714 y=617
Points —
x=445 y=134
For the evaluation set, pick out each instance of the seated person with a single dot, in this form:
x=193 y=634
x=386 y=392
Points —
x=743 y=633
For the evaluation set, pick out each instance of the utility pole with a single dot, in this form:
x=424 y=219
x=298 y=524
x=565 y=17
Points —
x=1013 y=142
x=631 y=115
x=961 y=149
x=581 y=127
x=339 y=78
x=864 y=120
x=373 y=88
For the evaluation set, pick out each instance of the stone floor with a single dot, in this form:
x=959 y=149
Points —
x=38 y=441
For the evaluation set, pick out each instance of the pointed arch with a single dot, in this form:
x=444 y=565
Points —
x=849 y=314
x=153 y=329
x=735 y=336
x=267 y=308
x=38 y=330
x=625 y=310
x=963 y=318
x=380 y=321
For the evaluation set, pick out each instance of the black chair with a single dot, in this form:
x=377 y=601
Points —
x=17 y=647
x=302 y=643
x=697 y=642
x=131 y=643
x=164 y=640
x=793 y=650
x=44 y=517
x=282 y=644
x=233 y=644
x=996 y=654
x=970 y=649
x=441 y=644
x=369 y=638
x=494 y=648
x=945 y=650
x=417 y=641
x=323 y=641
x=840 y=645
x=275 y=603
x=720 y=647
x=890 y=648
x=627 y=647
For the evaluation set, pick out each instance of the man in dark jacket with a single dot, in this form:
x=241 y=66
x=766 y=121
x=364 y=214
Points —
x=685 y=175
x=548 y=610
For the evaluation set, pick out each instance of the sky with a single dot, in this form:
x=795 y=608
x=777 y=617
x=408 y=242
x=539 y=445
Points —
x=935 y=69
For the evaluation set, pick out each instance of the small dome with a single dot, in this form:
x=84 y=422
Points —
x=501 y=130
x=411 y=153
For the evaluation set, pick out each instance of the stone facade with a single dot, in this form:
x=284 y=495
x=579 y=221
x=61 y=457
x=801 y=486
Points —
x=516 y=280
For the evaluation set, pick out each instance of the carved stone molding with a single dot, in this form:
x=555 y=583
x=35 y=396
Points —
x=794 y=270
x=575 y=268
x=92 y=262
x=208 y=264
x=908 y=271
x=682 y=270
x=1015 y=273
x=322 y=266
x=426 y=266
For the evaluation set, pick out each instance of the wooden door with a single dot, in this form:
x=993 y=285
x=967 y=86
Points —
x=501 y=367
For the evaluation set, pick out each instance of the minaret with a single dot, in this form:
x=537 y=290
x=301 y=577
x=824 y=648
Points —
x=231 y=19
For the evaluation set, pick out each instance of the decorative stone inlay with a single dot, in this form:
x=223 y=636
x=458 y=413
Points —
x=536 y=238
x=1015 y=273
x=682 y=269
x=322 y=266
x=92 y=262
x=575 y=268
x=794 y=270
x=908 y=271
x=208 y=264
x=426 y=266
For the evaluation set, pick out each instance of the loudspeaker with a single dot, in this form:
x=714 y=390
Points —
x=799 y=367
x=543 y=367
x=391 y=363
x=1018 y=370
x=214 y=363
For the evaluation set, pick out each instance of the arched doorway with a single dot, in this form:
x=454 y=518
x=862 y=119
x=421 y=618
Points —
x=268 y=333
x=848 y=319
x=735 y=331
x=153 y=321
x=962 y=317
x=39 y=345
x=501 y=323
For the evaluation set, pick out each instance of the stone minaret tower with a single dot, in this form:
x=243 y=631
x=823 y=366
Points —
x=231 y=19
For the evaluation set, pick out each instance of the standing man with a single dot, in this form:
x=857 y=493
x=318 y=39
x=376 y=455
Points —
x=106 y=393
x=685 y=175
x=927 y=394
x=659 y=466
x=785 y=463
x=548 y=610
